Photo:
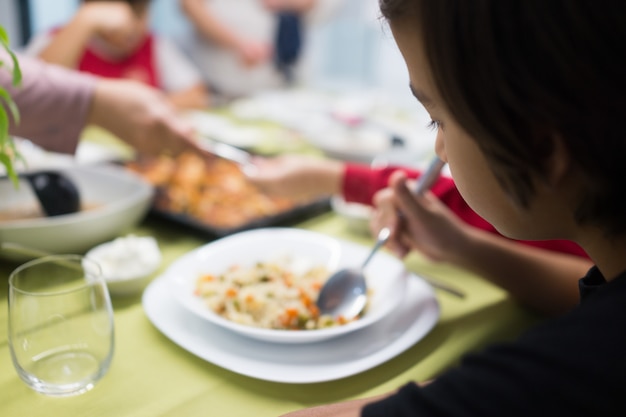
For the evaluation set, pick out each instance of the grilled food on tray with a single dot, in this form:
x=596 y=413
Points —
x=215 y=193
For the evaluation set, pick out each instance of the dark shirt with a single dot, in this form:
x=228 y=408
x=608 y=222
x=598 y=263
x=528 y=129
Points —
x=574 y=365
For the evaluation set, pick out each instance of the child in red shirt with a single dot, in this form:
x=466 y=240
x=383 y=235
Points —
x=112 y=39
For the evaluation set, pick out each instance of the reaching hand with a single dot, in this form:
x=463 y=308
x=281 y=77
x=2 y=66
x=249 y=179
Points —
x=419 y=223
x=297 y=176
x=253 y=53
x=142 y=117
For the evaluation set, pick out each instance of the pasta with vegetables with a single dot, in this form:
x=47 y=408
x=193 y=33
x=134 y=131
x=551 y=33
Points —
x=278 y=294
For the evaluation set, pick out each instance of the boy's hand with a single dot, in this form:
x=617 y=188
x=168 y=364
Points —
x=421 y=223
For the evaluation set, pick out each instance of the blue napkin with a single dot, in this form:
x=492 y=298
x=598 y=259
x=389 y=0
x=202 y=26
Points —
x=288 y=43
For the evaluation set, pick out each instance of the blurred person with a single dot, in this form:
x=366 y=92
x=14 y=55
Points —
x=111 y=39
x=246 y=46
x=56 y=104
x=447 y=229
x=529 y=121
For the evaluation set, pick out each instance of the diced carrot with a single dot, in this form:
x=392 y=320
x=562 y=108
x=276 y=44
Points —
x=206 y=278
x=315 y=311
x=249 y=298
x=306 y=300
x=231 y=292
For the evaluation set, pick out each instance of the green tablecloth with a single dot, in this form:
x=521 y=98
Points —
x=152 y=376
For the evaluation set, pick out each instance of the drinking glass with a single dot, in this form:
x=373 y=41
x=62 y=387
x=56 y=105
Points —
x=60 y=324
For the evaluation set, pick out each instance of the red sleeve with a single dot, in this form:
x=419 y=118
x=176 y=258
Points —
x=361 y=182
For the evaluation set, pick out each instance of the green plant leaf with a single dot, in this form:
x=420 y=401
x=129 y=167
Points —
x=8 y=101
x=4 y=129
x=8 y=164
x=4 y=37
x=8 y=151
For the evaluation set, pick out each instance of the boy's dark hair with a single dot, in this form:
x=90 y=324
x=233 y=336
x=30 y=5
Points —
x=517 y=73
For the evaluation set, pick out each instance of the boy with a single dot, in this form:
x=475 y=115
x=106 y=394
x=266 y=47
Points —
x=448 y=231
x=111 y=39
x=528 y=102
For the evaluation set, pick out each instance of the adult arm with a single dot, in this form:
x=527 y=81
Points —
x=142 y=117
x=54 y=104
x=213 y=30
x=181 y=80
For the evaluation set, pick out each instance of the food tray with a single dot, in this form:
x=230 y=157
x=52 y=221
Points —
x=288 y=217
x=215 y=198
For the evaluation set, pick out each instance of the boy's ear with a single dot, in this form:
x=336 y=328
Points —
x=558 y=165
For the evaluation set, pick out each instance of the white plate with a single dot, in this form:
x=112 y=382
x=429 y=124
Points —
x=385 y=275
x=224 y=130
x=411 y=320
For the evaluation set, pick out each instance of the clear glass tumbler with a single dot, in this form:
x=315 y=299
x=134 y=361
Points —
x=60 y=324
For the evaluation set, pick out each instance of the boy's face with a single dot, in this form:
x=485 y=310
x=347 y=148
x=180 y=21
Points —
x=475 y=181
x=130 y=33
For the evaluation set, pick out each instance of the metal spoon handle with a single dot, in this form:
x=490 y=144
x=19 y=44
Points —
x=425 y=181
x=382 y=238
x=228 y=152
x=429 y=177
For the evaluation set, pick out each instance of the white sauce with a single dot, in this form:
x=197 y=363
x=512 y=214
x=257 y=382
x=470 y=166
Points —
x=127 y=257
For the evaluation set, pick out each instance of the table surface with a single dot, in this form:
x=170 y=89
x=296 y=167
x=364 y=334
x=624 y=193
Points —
x=152 y=376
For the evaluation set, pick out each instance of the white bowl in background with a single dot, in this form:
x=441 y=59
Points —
x=357 y=215
x=113 y=198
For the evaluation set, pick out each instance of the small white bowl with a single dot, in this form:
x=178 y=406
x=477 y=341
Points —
x=127 y=263
x=356 y=215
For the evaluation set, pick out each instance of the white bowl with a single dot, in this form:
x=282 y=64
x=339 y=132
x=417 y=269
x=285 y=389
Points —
x=127 y=263
x=386 y=276
x=357 y=215
x=114 y=199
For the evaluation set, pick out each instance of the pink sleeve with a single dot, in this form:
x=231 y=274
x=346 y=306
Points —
x=53 y=102
x=361 y=182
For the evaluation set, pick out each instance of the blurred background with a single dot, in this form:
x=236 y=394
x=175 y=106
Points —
x=352 y=50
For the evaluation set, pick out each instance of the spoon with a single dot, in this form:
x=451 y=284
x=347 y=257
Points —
x=345 y=293
x=56 y=193
x=229 y=152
